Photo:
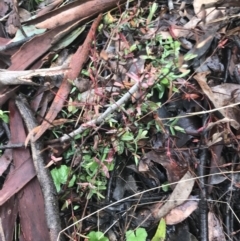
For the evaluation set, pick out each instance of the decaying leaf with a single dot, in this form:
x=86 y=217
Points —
x=220 y=99
x=206 y=14
x=181 y=212
x=216 y=123
x=216 y=137
x=174 y=171
x=179 y=195
x=215 y=229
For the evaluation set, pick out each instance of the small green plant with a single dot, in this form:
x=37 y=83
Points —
x=97 y=236
x=127 y=139
x=173 y=127
x=152 y=11
x=60 y=176
x=3 y=116
x=165 y=186
x=167 y=62
x=96 y=166
x=139 y=234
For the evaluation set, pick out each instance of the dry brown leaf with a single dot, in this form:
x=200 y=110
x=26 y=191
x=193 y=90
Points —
x=216 y=137
x=181 y=212
x=215 y=229
x=179 y=195
x=216 y=123
x=206 y=14
x=174 y=171
x=219 y=99
x=24 y=14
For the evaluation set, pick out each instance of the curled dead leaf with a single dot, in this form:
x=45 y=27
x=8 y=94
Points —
x=181 y=212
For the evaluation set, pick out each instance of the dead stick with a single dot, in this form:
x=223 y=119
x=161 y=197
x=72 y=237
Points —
x=103 y=116
x=43 y=174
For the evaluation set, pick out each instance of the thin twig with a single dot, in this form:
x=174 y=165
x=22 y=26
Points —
x=103 y=116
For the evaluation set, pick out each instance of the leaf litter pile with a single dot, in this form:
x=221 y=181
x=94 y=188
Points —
x=119 y=120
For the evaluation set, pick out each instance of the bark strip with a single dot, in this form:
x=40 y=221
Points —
x=43 y=174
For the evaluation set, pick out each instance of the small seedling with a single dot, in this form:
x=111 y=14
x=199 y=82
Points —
x=97 y=236
x=60 y=176
x=174 y=127
x=165 y=187
x=139 y=234
x=3 y=116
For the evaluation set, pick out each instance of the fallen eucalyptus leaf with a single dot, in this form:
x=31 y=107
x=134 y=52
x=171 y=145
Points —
x=179 y=195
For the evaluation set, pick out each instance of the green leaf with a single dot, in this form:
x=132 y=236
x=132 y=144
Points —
x=181 y=75
x=5 y=118
x=108 y=18
x=93 y=166
x=141 y=135
x=160 y=234
x=153 y=106
x=165 y=71
x=76 y=207
x=85 y=72
x=30 y=31
x=55 y=176
x=97 y=236
x=133 y=47
x=72 y=181
x=60 y=176
x=71 y=108
x=139 y=235
x=190 y=56
x=174 y=122
x=136 y=160
x=153 y=9
x=120 y=147
x=165 y=81
x=127 y=136
x=172 y=130
x=68 y=39
x=180 y=129
x=165 y=187
x=147 y=57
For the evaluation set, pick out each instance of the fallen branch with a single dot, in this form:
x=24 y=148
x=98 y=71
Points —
x=43 y=174
x=12 y=146
x=103 y=116
x=8 y=77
